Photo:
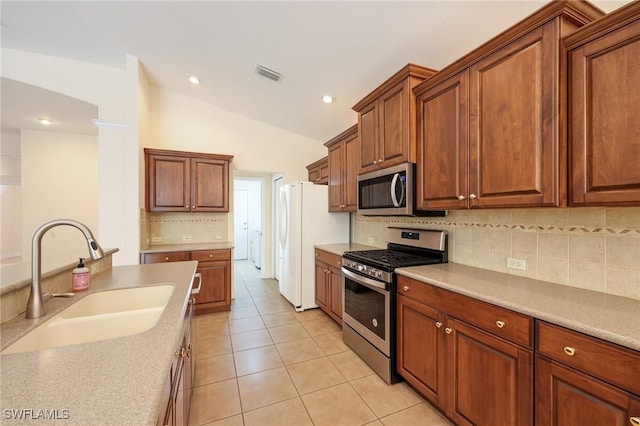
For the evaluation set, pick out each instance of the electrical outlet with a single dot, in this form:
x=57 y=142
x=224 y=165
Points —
x=519 y=264
x=156 y=239
x=218 y=237
x=371 y=240
x=186 y=238
x=95 y=268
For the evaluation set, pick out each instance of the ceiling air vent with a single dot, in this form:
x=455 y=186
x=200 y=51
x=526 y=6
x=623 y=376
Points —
x=266 y=72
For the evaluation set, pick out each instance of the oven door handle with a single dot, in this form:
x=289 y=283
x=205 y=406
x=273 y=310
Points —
x=364 y=280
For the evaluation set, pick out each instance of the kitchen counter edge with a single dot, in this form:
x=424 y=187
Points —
x=605 y=316
x=339 y=249
x=161 y=248
x=113 y=381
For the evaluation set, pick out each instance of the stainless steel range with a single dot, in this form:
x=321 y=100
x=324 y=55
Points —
x=369 y=299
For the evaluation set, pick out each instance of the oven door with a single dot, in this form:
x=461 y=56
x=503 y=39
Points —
x=366 y=308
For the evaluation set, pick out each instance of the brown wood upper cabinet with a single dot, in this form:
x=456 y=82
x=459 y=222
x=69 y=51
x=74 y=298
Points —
x=178 y=181
x=604 y=110
x=386 y=120
x=491 y=125
x=319 y=171
x=344 y=152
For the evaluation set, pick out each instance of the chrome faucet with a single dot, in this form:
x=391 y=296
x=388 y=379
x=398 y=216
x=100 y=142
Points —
x=35 y=305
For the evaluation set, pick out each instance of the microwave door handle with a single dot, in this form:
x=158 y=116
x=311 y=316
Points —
x=394 y=184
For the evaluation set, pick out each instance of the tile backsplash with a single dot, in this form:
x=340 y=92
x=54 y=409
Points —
x=592 y=248
x=172 y=228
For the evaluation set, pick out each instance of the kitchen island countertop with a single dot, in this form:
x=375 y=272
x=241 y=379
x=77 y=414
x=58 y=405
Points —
x=109 y=382
x=612 y=318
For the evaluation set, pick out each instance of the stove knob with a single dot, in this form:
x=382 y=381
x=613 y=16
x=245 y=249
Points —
x=362 y=268
x=379 y=274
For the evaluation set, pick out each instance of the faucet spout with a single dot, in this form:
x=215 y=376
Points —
x=35 y=304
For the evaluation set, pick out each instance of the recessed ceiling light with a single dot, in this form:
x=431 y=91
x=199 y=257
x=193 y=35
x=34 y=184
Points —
x=327 y=99
x=194 y=79
x=45 y=121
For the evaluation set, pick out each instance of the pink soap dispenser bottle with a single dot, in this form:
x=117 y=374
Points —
x=80 y=277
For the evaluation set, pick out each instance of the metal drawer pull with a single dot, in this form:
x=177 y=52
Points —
x=166 y=259
x=438 y=324
x=570 y=351
x=448 y=330
x=500 y=324
x=181 y=353
x=405 y=288
x=472 y=196
x=461 y=197
x=635 y=421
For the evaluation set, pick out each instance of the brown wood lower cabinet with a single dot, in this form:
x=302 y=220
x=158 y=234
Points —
x=329 y=284
x=214 y=266
x=581 y=380
x=176 y=396
x=475 y=377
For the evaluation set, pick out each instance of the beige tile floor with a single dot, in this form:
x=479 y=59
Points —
x=265 y=364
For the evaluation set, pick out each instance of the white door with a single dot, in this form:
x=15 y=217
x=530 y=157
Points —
x=277 y=250
x=240 y=224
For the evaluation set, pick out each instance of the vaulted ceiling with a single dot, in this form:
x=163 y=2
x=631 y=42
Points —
x=341 y=48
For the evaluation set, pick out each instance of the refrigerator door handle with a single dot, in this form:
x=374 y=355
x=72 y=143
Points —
x=284 y=219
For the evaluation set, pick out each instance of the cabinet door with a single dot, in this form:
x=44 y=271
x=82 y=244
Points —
x=565 y=397
x=314 y=175
x=443 y=119
x=604 y=126
x=336 y=290
x=513 y=129
x=216 y=287
x=323 y=172
x=336 y=182
x=420 y=348
x=351 y=150
x=394 y=126
x=322 y=290
x=168 y=183
x=490 y=379
x=210 y=187
x=368 y=126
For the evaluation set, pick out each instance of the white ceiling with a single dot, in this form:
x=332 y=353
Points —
x=342 y=48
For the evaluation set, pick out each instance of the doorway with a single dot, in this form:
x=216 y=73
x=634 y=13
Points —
x=248 y=219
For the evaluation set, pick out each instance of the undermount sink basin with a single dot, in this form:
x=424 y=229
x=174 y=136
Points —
x=99 y=316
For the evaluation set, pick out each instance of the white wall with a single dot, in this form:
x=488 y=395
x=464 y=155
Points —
x=59 y=180
x=183 y=123
x=10 y=196
x=118 y=169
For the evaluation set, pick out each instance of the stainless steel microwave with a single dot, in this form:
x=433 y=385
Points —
x=390 y=192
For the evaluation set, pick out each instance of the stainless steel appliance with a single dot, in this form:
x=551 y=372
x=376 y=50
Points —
x=369 y=299
x=390 y=192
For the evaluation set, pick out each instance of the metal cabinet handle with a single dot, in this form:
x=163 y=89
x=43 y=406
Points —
x=181 y=353
x=166 y=259
x=472 y=196
x=405 y=288
x=448 y=330
x=438 y=324
x=635 y=421
x=186 y=207
x=461 y=197
x=500 y=324
x=379 y=160
x=193 y=207
x=569 y=350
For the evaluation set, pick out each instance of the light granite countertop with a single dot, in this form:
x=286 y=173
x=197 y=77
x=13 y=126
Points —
x=159 y=248
x=339 y=249
x=110 y=382
x=608 y=317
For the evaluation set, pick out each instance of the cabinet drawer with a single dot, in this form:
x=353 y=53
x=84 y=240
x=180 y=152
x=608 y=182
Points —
x=176 y=256
x=504 y=323
x=329 y=258
x=211 y=255
x=611 y=363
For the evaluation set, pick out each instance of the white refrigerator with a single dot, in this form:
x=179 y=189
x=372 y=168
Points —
x=305 y=222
